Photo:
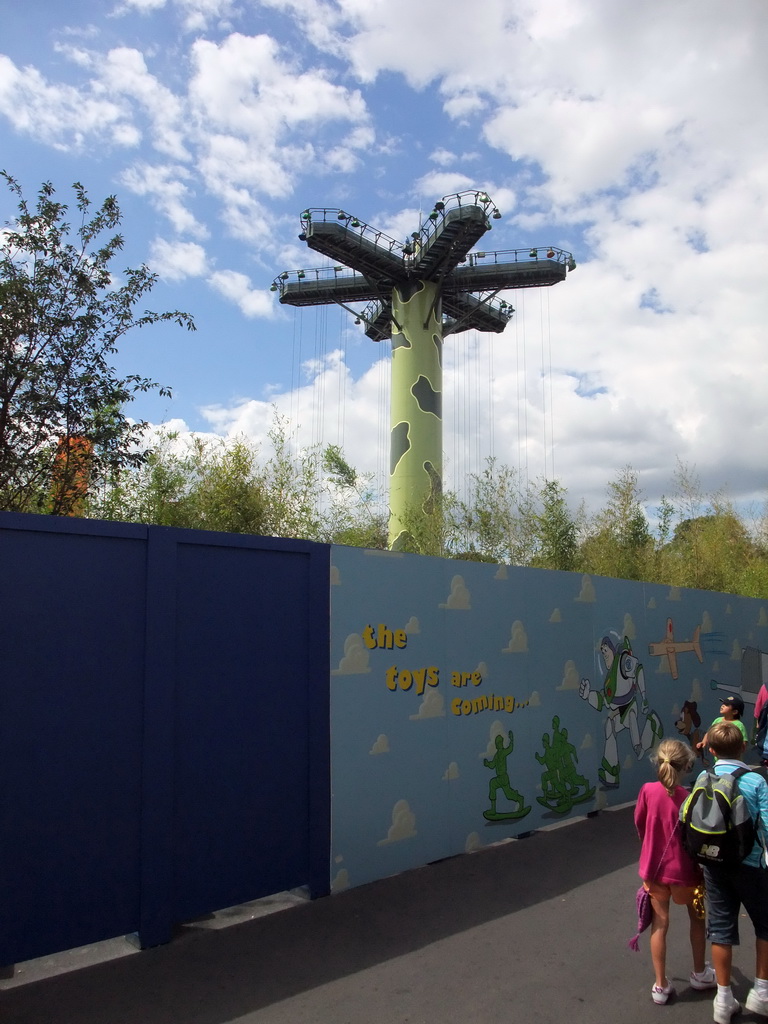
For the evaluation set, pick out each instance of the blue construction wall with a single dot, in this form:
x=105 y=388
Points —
x=163 y=727
x=191 y=720
x=474 y=702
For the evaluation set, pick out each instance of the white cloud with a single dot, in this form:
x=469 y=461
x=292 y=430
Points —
x=144 y=6
x=630 y=135
x=176 y=260
x=265 y=120
x=442 y=183
x=60 y=115
x=443 y=157
x=196 y=14
x=167 y=191
x=125 y=73
x=237 y=288
x=243 y=85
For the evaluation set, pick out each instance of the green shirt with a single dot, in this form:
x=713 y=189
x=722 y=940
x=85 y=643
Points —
x=734 y=721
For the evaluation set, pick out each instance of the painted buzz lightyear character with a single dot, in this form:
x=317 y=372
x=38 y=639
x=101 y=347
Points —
x=623 y=688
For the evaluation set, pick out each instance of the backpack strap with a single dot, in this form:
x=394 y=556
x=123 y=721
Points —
x=737 y=774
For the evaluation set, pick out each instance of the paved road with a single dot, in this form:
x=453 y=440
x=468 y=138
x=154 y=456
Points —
x=528 y=931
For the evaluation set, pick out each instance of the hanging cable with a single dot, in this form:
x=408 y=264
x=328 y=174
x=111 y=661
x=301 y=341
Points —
x=478 y=407
x=520 y=378
x=456 y=426
x=491 y=396
x=551 y=391
x=321 y=335
x=467 y=389
x=543 y=378
x=298 y=332
x=385 y=378
x=341 y=396
x=525 y=390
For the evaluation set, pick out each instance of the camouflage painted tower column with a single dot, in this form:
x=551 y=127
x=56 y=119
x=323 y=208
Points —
x=418 y=292
x=416 y=404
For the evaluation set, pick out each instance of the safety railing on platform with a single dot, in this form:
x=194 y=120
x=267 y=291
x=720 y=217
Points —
x=540 y=252
x=373 y=235
x=314 y=274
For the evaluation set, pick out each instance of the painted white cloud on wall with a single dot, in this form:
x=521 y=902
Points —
x=571 y=678
x=403 y=824
x=340 y=881
x=473 y=843
x=587 y=591
x=381 y=746
x=496 y=728
x=459 y=598
x=432 y=706
x=355 y=659
x=518 y=642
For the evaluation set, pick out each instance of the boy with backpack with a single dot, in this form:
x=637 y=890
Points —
x=716 y=814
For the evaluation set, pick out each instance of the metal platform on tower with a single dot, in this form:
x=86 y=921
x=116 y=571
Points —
x=370 y=263
x=418 y=292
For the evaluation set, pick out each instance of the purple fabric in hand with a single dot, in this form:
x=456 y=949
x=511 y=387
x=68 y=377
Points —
x=644 y=916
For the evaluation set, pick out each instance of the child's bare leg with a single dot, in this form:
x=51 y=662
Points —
x=698 y=934
x=659 y=929
x=721 y=961
x=761 y=958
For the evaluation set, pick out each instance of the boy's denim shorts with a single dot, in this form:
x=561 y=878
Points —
x=727 y=889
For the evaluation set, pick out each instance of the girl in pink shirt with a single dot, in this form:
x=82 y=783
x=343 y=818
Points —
x=667 y=871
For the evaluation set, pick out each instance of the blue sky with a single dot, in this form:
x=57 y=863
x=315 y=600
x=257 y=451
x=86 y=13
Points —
x=632 y=135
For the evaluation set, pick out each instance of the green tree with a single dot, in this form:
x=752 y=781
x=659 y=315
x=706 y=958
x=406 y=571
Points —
x=619 y=542
x=497 y=523
x=62 y=403
x=713 y=551
x=225 y=484
x=557 y=530
x=356 y=519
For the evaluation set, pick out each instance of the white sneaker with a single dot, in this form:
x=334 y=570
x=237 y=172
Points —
x=756 y=1003
x=660 y=995
x=724 y=1008
x=704 y=979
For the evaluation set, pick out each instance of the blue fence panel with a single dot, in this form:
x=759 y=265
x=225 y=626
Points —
x=163 y=727
x=71 y=610
x=244 y=683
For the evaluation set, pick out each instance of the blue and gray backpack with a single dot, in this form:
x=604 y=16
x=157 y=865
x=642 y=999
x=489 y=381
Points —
x=716 y=827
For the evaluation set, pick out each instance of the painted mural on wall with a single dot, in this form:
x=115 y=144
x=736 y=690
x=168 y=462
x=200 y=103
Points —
x=472 y=703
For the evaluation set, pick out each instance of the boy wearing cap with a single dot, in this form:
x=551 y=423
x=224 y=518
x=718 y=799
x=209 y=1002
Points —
x=746 y=885
x=731 y=710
